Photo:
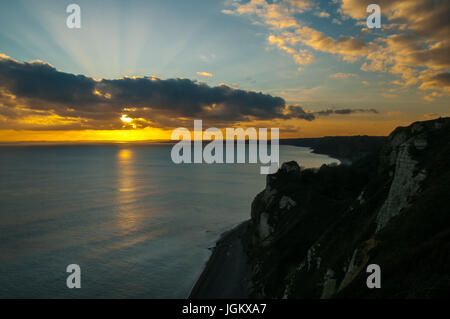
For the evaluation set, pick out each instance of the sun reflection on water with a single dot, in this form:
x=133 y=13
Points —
x=126 y=195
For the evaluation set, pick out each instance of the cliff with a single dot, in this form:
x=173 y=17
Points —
x=313 y=232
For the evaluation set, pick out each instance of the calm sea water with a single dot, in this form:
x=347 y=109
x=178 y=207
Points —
x=138 y=225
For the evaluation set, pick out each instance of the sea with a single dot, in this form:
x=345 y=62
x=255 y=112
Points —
x=138 y=225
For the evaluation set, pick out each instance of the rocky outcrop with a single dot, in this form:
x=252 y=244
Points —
x=313 y=232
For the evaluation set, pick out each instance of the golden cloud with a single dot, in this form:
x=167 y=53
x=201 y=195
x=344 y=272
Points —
x=205 y=74
x=415 y=46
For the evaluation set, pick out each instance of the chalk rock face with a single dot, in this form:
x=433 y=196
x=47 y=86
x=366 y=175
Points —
x=271 y=200
x=313 y=232
x=404 y=144
x=406 y=183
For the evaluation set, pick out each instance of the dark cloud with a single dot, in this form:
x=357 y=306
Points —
x=442 y=78
x=299 y=113
x=345 y=111
x=42 y=82
x=38 y=88
x=185 y=97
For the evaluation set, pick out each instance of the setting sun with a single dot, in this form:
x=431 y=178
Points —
x=126 y=119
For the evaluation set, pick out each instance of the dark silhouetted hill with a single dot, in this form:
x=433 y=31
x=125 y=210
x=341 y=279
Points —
x=351 y=148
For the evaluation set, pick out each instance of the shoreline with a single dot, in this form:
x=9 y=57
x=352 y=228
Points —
x=342 y=160
x=227 y=270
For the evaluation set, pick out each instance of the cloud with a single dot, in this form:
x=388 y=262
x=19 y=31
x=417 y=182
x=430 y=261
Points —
x=345 y=111
x=438 y=83
x=281 y=18
x=414 y=44
x=342 y=75
x=348 y=47
x=415 y=62
x=278 y=15
x=36 y=95
x=439 y=80
x=432 y=116
x=205 y=74
x=426 y=18
x=100 y=103
x=423 y=41
x=301 y=57
x=322 y=14
x=296 y=111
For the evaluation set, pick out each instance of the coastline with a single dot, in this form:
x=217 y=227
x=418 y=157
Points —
x=342 y=160
x=227 y=272
x=347 y=149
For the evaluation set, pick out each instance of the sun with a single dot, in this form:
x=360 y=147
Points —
x=126 y=119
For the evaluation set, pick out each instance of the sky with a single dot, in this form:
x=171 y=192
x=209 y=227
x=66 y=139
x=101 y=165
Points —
x=136 y=70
